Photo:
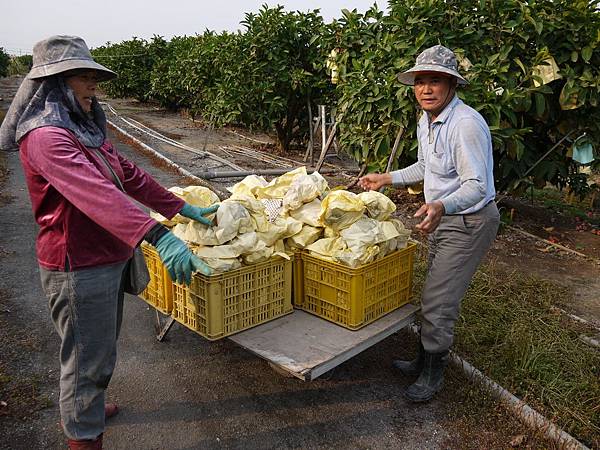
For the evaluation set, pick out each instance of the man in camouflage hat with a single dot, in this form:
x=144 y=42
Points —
x=459 y=215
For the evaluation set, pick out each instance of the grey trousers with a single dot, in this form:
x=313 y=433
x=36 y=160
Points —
x=456 y=248
x=86 y=307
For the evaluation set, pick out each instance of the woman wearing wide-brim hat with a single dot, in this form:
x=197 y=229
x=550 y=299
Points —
x=88 y=225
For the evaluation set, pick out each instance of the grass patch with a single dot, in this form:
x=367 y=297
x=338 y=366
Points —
x=555 y=200
x=508 y=330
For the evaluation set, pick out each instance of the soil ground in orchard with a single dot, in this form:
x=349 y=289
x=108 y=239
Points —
x=188 y=393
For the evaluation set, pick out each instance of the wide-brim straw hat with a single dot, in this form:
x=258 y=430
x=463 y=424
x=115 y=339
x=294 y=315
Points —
x=434 y=59
x=59 y=54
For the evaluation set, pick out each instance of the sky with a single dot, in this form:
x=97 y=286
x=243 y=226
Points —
x=24 y=22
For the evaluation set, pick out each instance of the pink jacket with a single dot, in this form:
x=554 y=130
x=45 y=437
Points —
x=83 y=216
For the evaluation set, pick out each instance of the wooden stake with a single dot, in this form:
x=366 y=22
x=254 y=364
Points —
x=326 y=147
x=312 y=142
x=393 y=153
x=363 y=169
x=323 y=126
x=309 y=148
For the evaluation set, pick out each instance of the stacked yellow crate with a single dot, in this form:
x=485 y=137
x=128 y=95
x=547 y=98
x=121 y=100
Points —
x=221 y=305
x=159 y=292
x=354 y=298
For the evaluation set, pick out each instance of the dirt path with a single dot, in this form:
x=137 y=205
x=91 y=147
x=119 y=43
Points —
x=188 y=393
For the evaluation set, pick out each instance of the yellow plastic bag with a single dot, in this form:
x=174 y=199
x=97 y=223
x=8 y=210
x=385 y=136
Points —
x=308 y=213
x=259 y=253
x=352 y=259
x=379 y=206
x=340 y=209
x=304 y=189
x=305 y=237
x=242 y=244
x=196 y=233
x=255 y=208
x=232 y=219
x=403 y=232
x=194 y=195
x=280 y=229
x=220 y=265
x=278 y=186
x=327 y=246
x=246 y=186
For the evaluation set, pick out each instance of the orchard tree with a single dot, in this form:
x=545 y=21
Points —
x=278 y=66
x=533 y=68
x=4 y=62
x=133 y=61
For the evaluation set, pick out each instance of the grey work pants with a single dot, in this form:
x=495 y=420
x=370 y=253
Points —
x=456 y=248
x=86 y=308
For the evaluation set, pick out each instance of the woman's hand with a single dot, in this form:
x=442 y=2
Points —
x=198 y=214
x=179 y=259
x=375 y=181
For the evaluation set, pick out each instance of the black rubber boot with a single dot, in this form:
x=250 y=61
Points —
x=431 y=379
x=413 y=367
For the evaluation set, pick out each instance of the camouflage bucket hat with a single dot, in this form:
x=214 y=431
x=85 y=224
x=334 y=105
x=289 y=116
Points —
x=434 y=59
x=58 y=54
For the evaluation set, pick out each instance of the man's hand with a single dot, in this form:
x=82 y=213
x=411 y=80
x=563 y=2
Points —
x=375 y=181
x=433 y=213
x=198 y=214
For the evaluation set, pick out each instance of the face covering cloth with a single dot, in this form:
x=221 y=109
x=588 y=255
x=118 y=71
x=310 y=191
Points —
x=50 y=102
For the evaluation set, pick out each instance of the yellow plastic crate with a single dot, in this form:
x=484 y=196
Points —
x=159 y=292
x=221 y=305
x=298 y=279
x=354 y=298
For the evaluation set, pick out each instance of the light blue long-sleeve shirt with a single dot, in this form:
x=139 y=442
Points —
x=454 y=160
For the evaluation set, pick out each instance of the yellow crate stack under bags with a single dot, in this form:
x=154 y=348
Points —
x=159 y=292
x=221 y=305
x=356 y=297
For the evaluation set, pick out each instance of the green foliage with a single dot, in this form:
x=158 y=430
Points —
x=498 y=44
x=168 y=82
x=216 y=75
x=270 y=72
x=264 y=76
x=133 y=61
x=4 y=62
x=20 y=65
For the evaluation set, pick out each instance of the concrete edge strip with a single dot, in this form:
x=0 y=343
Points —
x=576 y=318
x=526 y=413
x=163 y=158
x=522 y=410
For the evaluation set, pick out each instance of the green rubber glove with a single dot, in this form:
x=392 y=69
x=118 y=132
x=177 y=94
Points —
x=196 y=213
x=179 y=259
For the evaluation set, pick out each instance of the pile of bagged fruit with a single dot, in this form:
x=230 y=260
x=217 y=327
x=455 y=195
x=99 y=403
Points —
x=292 y=212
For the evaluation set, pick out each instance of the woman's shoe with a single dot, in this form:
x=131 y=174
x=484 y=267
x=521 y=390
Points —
x=110 y=410
x=95 y=444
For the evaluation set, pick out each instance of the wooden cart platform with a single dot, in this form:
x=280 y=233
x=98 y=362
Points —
x=306 y=346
